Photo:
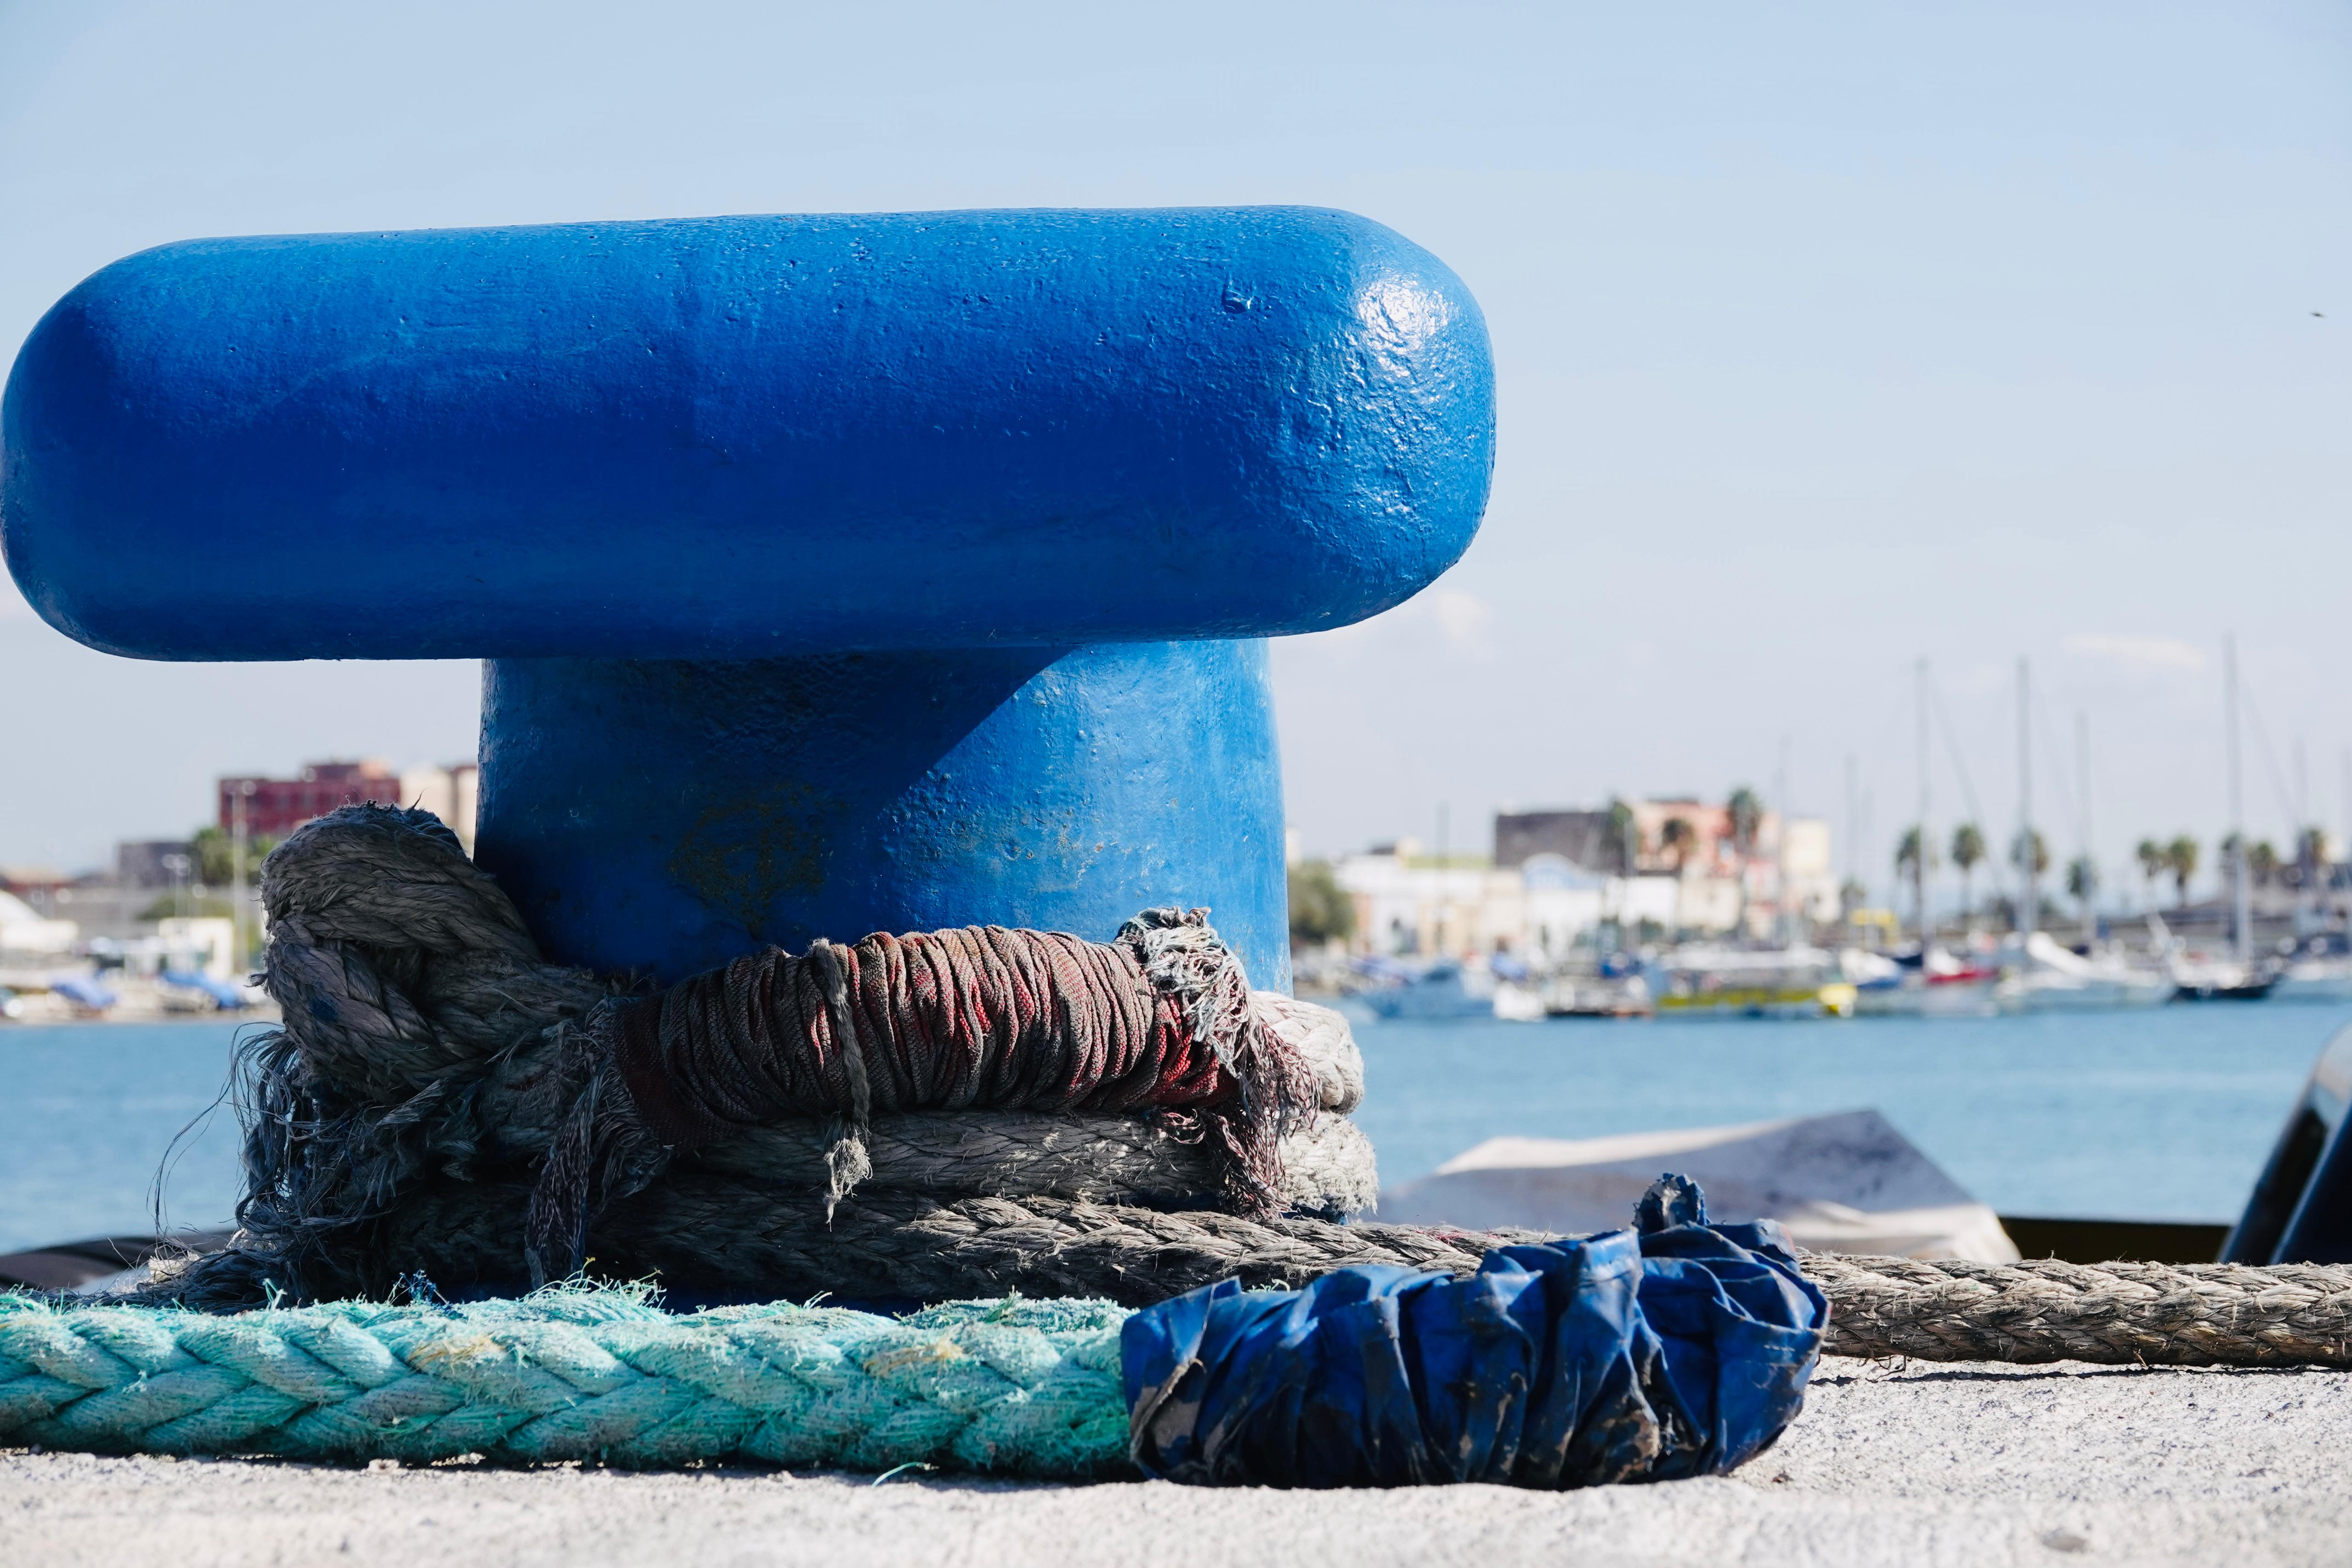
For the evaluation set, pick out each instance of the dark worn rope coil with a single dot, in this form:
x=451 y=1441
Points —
x=952 y=1020
x=981 y=1017
x=425 y=1040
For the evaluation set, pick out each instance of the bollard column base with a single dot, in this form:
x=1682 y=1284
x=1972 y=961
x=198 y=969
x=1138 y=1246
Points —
x=663 y=816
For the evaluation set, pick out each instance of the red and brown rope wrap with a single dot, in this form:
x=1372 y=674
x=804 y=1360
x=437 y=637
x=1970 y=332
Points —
x=981 y=1017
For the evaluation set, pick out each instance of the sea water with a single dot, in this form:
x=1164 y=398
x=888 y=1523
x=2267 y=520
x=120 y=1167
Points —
x=2158 y=1113
x=2163 y=1113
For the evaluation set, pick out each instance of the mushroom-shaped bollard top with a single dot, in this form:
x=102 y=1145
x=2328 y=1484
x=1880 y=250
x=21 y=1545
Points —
x=747 y=437
x=836 y=574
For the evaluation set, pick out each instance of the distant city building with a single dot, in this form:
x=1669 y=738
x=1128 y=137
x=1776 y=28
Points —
x=1410 y=904
x=275 y=807
x=1690 y=845
x=1580 y=838
x=1667 y=868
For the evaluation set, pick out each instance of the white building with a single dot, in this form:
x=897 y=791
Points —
x=449 y=793
x=1687 y=878
x=22 y=930
x=1719 y=885
x=1410 y=905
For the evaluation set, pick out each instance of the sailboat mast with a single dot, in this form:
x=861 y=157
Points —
x=1853 y=831
x=2026 y=911
x=1927 y=840
x=2241 y=896
x=2083 y=787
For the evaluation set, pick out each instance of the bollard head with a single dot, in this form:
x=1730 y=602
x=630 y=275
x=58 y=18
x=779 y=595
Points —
x=747 y=437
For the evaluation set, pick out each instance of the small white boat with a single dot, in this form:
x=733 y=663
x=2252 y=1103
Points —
x=1597 y=997
x=2198 y=979
x=1937 y=984
x=2046 y=977
x=2314 y=980
x=1517 y=1003
x=1842 y=1183
x=1700 y=980
x=1442 y=991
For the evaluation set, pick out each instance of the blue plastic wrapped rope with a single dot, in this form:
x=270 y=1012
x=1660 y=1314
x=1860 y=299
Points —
x=1675 y=1349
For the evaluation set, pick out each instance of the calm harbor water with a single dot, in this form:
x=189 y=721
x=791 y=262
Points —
x=2164 y=1113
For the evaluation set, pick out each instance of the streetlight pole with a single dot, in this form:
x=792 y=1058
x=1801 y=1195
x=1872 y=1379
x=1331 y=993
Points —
x=2241 y=913
x=1927 y=842
x=2083 y=790
x=237 y=835
x=2027 y=916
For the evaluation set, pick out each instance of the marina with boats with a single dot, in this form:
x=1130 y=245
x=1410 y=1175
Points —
x=1679 y=907
x=2033 y=975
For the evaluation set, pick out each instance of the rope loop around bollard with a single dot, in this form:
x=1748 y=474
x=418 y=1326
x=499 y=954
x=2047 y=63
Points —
x=436 y=1082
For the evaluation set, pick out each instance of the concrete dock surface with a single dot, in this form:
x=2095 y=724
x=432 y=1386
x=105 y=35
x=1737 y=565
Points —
x=1911 y=1463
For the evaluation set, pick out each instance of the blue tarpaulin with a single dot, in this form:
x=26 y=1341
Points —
x=223 y=993
x=1675 y=1349
x=83 y=991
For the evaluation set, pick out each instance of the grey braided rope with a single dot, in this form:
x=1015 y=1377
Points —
x=712 y=1232
x=2190 y=1315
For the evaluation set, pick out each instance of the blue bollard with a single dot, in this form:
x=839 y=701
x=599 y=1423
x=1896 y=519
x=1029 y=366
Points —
x=834 y=573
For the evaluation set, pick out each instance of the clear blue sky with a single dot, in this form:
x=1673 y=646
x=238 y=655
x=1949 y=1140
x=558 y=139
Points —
x=1829 y=337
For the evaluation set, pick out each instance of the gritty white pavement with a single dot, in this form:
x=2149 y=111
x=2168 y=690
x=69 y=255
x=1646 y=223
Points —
x=1914 y=1464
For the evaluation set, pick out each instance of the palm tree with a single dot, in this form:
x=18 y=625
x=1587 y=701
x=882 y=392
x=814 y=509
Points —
x=2028 y=852
x=1624 y=836
x=2310 y=855
x=2018 y=850
x=1677 y=838
x=1906 y=852
x=1968 y=853
x=1746 y=820
x=1907 y=867
x=2180 y=860
x=2152 y=864
x=1747 y=814
x=2264 y=862
x=2082 y=883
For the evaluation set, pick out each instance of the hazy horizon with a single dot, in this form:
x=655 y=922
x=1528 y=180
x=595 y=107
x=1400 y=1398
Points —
x=1827 y=339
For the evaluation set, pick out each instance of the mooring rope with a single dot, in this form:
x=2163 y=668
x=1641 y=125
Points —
x=1158 y=1019
x=1013 y=1387
x=1327 y=1170
x=2187 y=1315
x=1017 y=1387
x=436 y=1082
x=1675 y=1348
x=908 y=1246
x=424 y=1041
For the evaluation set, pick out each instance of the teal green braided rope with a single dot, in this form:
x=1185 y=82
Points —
x=1011 y=1387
